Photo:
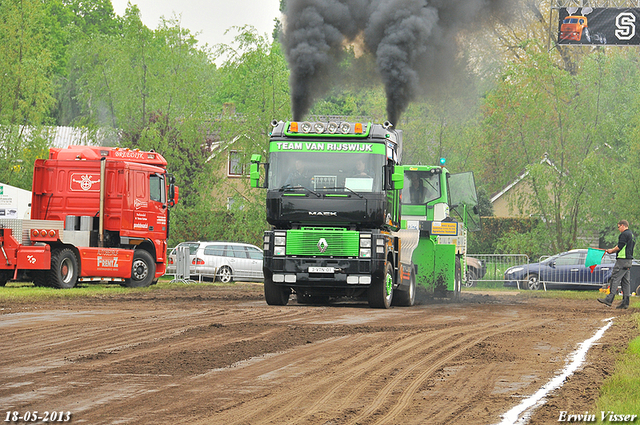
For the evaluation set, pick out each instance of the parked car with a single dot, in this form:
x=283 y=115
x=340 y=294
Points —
x=561 y=271
x=227 y=261
x=171 y=258
x=476 y=269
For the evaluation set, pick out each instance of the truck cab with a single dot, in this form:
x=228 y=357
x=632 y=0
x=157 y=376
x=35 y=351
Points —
x=438 y=209
x=333 y=191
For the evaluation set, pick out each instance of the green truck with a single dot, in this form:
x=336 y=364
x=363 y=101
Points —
x=333 y=200
x=438 y=209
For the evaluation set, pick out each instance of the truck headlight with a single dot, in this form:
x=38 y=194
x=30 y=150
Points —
x=279 y=240
x=278 y=250
x=365 y=252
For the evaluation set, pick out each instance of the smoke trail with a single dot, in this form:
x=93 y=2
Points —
x=414 y=42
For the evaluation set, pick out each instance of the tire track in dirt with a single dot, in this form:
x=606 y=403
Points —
x=425 y=352
x=194 y=360
x=434 y=361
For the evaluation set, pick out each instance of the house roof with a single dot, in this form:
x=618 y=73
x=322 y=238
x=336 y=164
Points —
x=63 y=136
x=545 y=160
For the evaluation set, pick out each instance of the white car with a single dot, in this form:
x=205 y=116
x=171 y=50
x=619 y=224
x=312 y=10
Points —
x=171 y=258
x=227 y=261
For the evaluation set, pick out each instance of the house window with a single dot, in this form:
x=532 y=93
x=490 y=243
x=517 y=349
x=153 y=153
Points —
x=236 y=164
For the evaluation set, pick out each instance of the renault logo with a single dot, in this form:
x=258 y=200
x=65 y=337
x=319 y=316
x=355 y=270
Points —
x=322 y=245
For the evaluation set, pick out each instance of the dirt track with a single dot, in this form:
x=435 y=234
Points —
x=208 y=355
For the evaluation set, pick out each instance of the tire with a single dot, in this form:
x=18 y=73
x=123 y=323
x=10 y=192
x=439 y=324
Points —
x=472 y=278
x=586 y=36
x=143 y=270
x=274 y=294
x=457 y=280
x=5 y=276
x=380 y=293
x=224 y=275
x=406 y=298
x=64 y=269
x=532 y=282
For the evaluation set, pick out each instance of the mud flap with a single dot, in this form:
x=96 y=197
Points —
x=436 y=265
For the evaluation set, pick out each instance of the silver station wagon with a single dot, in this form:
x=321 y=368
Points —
x=227 y=261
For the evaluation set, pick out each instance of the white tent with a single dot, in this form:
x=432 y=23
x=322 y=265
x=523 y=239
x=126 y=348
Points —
x=14 y=202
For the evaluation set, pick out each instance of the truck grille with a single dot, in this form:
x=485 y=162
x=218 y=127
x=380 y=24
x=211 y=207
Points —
x=323 y=242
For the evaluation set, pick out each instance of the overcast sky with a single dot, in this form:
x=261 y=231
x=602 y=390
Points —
x=209 y=18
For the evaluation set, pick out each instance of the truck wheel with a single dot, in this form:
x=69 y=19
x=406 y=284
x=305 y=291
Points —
x=380 y=293
x=5 y=276
x=39 y=278
x=64 y=269
x=472 y=277
x=274 y=294
x=406 y=298
x=457 y=284
x=143 y=270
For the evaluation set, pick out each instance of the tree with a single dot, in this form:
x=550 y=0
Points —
x=26 y=90
x=575 y=123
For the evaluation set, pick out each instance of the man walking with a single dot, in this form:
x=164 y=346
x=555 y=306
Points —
x=622 y=269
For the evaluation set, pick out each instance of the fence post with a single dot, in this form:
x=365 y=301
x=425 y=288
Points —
x=183 y=266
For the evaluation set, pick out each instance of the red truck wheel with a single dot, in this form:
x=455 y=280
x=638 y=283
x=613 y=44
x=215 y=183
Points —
x=64 y=269
x=143 y=270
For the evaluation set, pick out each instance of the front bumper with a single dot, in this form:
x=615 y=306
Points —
x=328 y=273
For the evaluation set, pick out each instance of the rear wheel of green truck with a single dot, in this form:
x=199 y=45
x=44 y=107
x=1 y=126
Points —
x=457 y=289
x=406 y=298
x=64 y=269
x=143 y=270
x=275 y=294
x=380 y=293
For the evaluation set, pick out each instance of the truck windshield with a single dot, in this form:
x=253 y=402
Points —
x=319 y=171
x=420 y=187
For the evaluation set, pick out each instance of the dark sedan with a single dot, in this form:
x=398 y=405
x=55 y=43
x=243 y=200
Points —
x=561 y=271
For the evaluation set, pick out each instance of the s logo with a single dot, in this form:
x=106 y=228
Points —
x=626 y=27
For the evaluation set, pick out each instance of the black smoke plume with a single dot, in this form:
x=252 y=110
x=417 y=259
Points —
x=414 y=43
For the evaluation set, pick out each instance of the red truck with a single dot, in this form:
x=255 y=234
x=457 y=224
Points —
x=97 y=214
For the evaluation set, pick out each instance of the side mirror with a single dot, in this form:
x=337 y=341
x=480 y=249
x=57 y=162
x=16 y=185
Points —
x=173 y=190
x=397 y=178
x=254 y=170
x=173 y=195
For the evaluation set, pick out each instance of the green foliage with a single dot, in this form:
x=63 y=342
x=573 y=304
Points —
x=495 y=229
x=21 y=147
x=26 y=90
x=620 y=390
x=484 y=202
x=73 y=61
x=207 y=222
x=534 y=243
x=560 y=127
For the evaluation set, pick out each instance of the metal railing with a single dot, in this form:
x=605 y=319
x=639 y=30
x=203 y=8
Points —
x=492 y=267
x=535 y=275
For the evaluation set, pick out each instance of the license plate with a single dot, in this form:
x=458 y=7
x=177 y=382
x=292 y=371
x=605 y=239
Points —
x=321 y=270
